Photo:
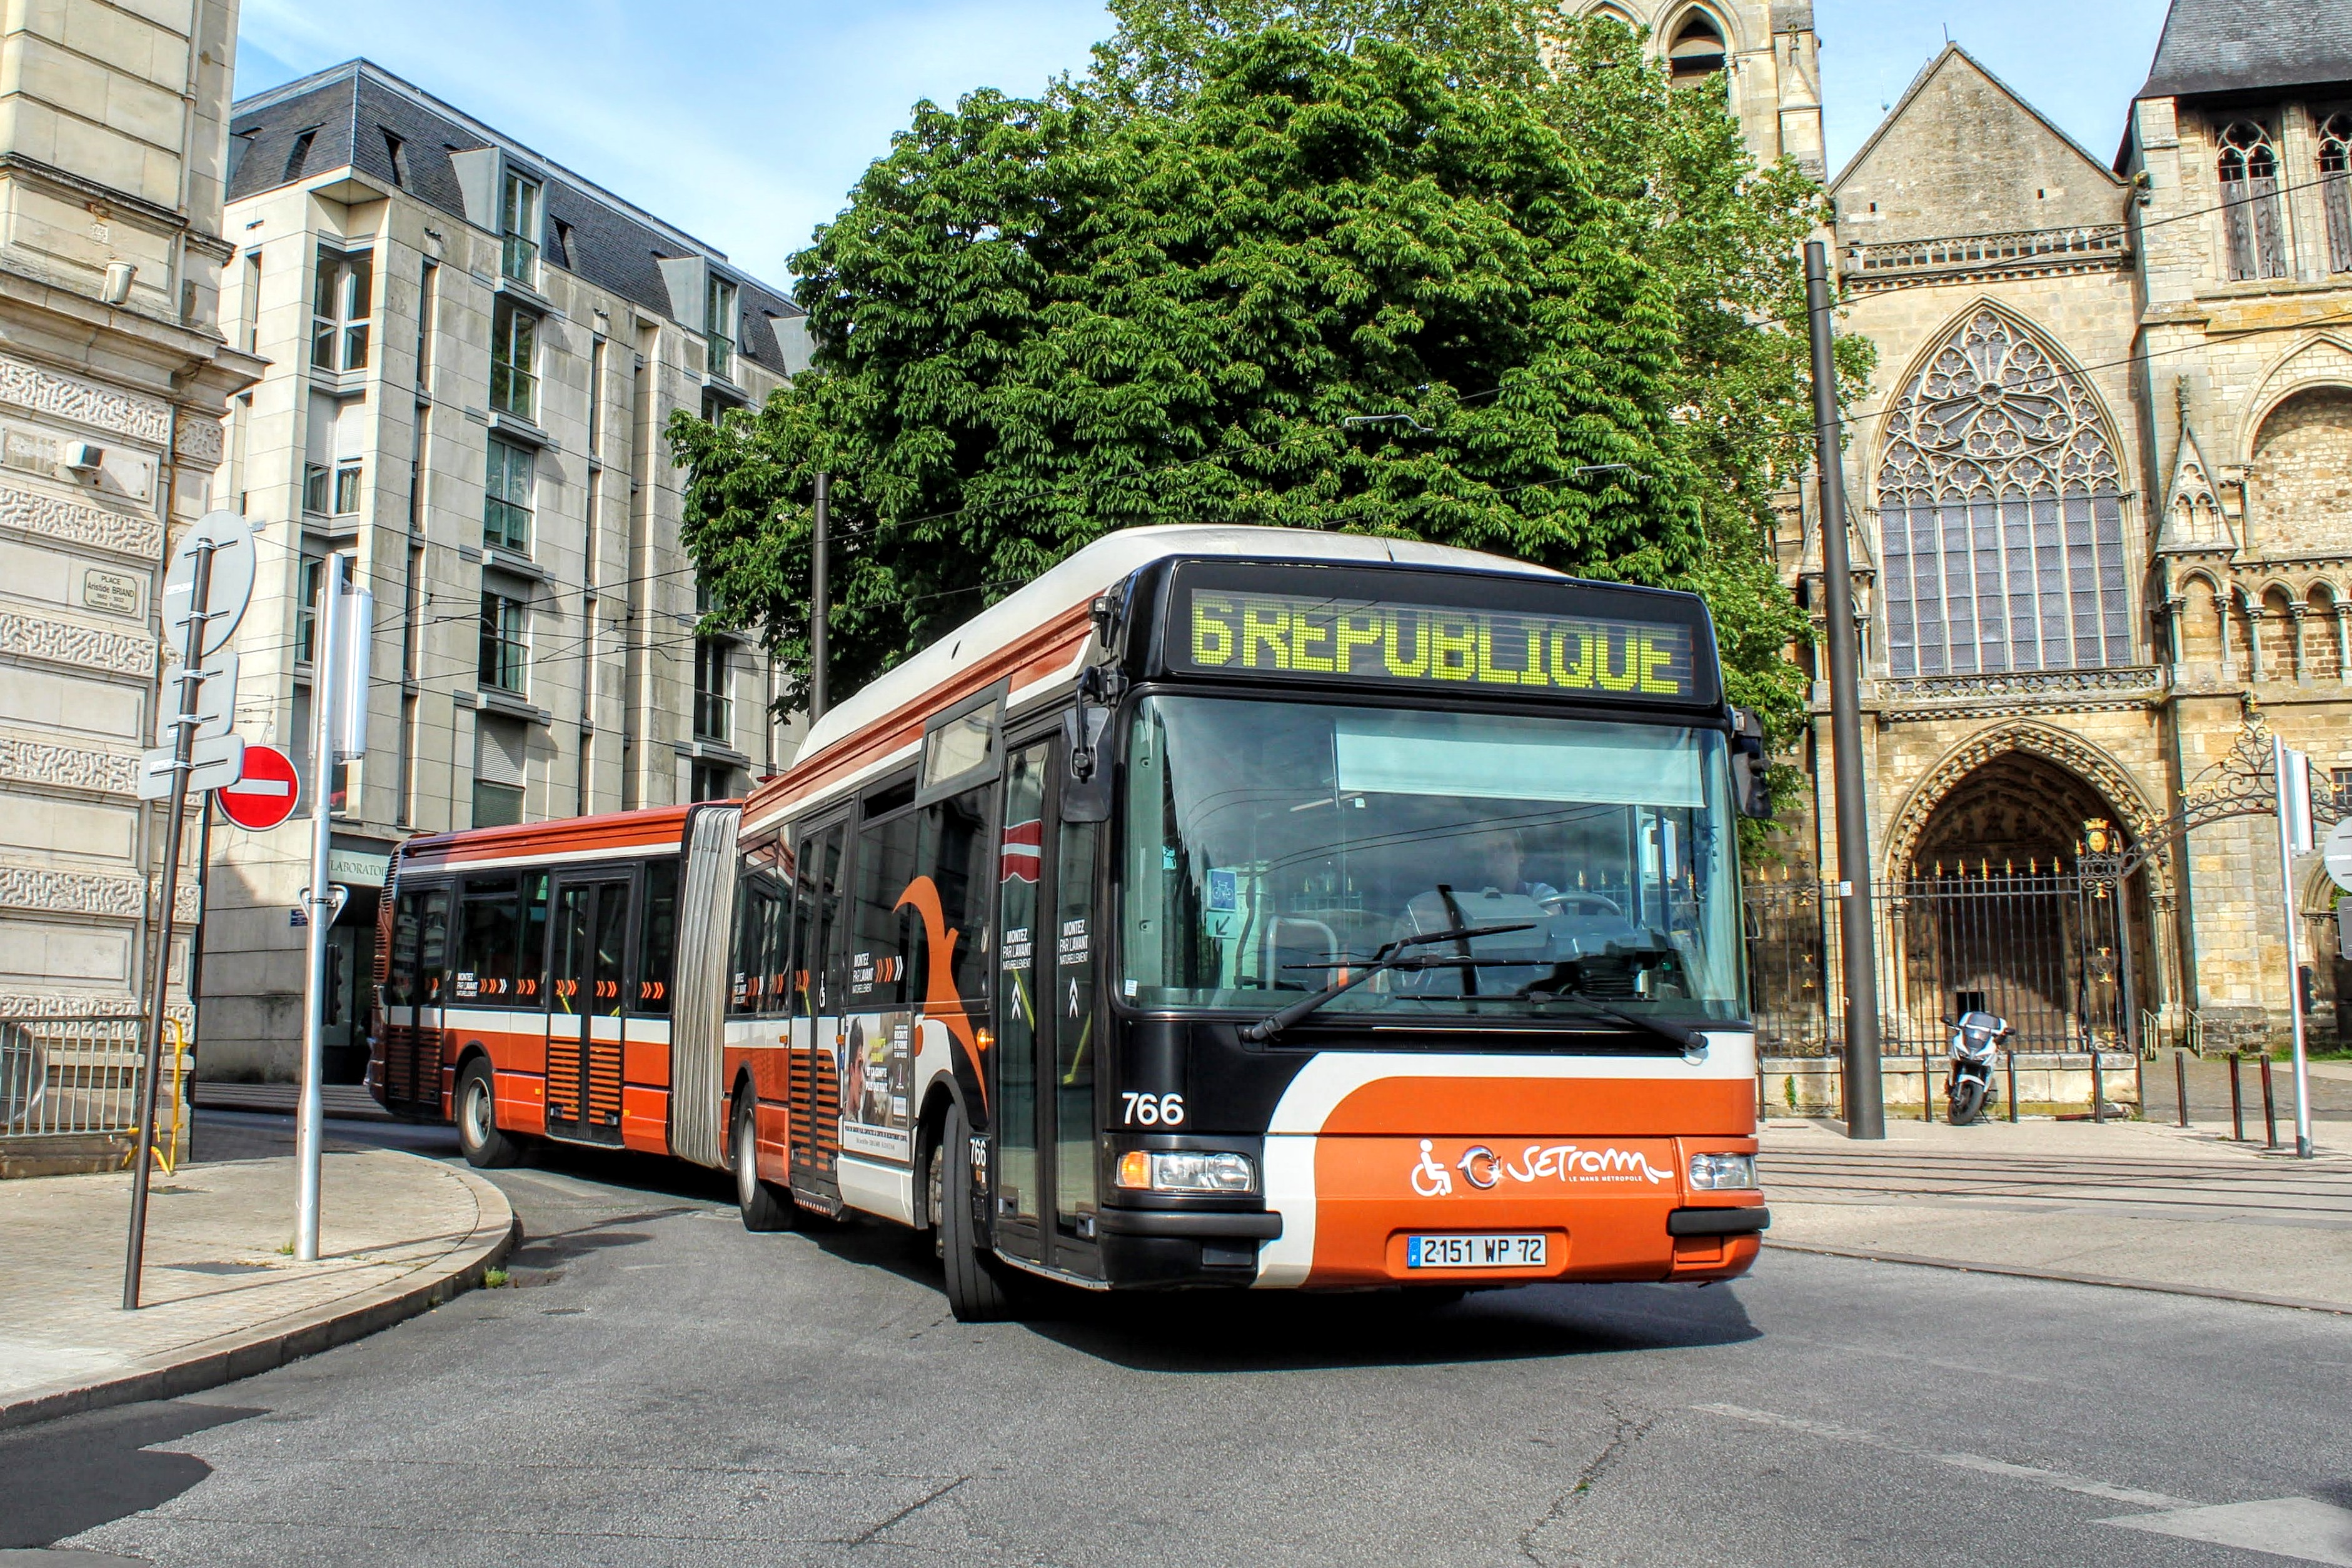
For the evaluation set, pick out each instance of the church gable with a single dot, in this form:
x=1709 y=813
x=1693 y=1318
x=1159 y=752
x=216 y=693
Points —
x=1962 y=154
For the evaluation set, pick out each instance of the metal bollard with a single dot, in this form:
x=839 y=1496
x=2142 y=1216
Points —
x=2012 y=1083
x=2098 y=1086
x=1927 y=1086
x=2237 y=1099
x=2269 y=1107
x=2180 y=1080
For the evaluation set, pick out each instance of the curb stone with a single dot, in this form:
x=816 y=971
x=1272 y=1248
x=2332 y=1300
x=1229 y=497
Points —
x=225 y=1358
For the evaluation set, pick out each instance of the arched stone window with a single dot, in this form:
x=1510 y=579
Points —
x=2248 y=167
x=2000 y=513
x=2335 y=188
x=1697 y=48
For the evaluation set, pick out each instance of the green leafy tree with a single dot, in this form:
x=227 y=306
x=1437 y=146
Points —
x=1161 y=295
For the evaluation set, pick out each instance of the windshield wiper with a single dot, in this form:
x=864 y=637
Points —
x=1690 y=1040
x=1390 y=955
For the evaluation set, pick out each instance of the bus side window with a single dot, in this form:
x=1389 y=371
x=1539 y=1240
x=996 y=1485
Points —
x=815 y=867
x=400 y=978
x=433 y=950
x=743 y=991
x=885 y=965
x=955 y=857
x=489 y=932
x=775 y=946
x=530 y=961
x=658 y=939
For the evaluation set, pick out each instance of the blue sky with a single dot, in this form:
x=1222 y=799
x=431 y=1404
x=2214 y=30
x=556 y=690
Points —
x=745 y=122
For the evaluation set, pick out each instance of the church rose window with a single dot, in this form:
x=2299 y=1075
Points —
x=2249 y=203
x=2335 y=188
x=2000 y=514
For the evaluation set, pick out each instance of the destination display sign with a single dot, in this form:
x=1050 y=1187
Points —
x=1226 y=631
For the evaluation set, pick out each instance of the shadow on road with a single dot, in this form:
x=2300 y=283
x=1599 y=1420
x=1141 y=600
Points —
x=81 y=1471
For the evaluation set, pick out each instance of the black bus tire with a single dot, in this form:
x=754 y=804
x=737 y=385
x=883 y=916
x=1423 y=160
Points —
x=763 y=1207
x=976 y=1290
x=486 y=1148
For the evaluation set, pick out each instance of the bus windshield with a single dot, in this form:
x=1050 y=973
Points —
x=1270 y=846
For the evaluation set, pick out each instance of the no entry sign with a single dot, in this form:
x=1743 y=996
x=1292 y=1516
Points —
x=264 y=797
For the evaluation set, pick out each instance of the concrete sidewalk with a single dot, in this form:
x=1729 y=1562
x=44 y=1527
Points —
x=399 y=1235
x=2131 y=1203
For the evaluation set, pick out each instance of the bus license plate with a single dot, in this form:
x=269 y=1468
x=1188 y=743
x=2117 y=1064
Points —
x=1475 y=1251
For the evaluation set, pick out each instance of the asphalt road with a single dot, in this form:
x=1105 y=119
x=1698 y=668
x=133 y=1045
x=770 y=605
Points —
x=659 y=1386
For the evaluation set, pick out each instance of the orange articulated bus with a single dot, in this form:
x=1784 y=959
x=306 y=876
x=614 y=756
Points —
x=1228 y=907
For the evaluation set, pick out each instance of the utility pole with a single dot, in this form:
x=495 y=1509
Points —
x=2291 y=775
x=1865 y=1105
x=319 y=905
x=183 y=742
x=820 y=607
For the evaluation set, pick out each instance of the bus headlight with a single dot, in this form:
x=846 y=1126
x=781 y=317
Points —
x=1187 y=1171
x=1714 y=1172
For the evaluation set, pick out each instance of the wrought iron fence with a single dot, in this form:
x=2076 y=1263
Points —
x=62 y=1077
x=2047 y=950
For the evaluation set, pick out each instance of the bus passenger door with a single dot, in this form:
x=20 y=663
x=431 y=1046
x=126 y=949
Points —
x=820 y=972
x=1043 y=1067
x=587 y=992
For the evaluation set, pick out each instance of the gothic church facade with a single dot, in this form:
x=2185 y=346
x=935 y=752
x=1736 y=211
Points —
x=2100 y=487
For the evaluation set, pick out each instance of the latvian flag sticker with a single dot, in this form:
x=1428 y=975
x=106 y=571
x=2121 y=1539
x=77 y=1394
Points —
x=1023 y=851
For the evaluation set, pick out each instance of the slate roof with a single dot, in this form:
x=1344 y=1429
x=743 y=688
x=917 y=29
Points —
x=350 y=113
x=2250 y=46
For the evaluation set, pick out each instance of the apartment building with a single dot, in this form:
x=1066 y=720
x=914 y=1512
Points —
x=474 y=352
x=113 y=375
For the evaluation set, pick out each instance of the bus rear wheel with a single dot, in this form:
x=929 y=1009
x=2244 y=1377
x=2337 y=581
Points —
x=486 y=1148
x=976 y=1290
x=764 y=1208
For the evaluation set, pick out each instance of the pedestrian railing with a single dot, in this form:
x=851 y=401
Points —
x=69 y=1077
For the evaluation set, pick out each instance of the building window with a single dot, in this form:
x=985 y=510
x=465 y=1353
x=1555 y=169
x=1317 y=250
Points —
x=719 y=327
x=710 y=715
x=518 y=225
x=2335 y=188
x=2249 y=203
x=316 y=478
x=395 y=153
x=306 y=610
x=2340 y=780
x=506 y=497
x=339 y=310
x=2000 y=514
x=1697 y=50
x=712 y=781
x=505 y=654
x=346 y=489
x=428 y=303
x=514 y=342
x=248 y=303
x=332 y=491
x=596 y=398
x=496 y=805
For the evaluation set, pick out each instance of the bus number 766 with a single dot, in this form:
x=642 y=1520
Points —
x=1152 y=1110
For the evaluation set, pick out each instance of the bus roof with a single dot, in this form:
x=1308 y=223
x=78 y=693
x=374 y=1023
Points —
x=1035 y=636
x=614 y=834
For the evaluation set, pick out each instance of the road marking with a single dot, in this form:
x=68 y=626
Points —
x=2299 y=1527
x=2058 y=1479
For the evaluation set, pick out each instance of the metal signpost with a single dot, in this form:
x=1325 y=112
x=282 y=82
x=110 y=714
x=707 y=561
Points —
x=346 y=628
x=1865 y=1107
x=2291 y=771
x=206 y=591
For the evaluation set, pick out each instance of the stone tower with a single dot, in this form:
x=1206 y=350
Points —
x=1766 y=48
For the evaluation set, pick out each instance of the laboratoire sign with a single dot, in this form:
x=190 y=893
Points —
x=1233 y=633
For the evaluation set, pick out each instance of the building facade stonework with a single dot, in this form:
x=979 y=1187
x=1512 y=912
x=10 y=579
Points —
x=474 y=354
x=2100 y=486
x=113 y=376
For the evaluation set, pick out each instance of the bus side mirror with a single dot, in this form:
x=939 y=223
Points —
x=1086 y=771
x=1751 y=774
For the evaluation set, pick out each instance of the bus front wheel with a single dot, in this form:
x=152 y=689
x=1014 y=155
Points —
x=976 y=1291
x=485 y=1147
x=764 y=1208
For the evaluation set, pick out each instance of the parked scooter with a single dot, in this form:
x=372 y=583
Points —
x=1974 y=1037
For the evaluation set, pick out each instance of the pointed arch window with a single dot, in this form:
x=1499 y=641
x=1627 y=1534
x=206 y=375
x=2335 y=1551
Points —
x=2249 y=166
x=2000 y=514
x=2335 y=188
x=1697 y=49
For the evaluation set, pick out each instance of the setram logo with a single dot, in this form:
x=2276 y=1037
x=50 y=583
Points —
x=1486 y=1170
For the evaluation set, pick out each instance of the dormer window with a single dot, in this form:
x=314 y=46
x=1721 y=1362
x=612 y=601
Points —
x=518 y=228
x=1697 y=49
x=719 y=327
x=2248 y=167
